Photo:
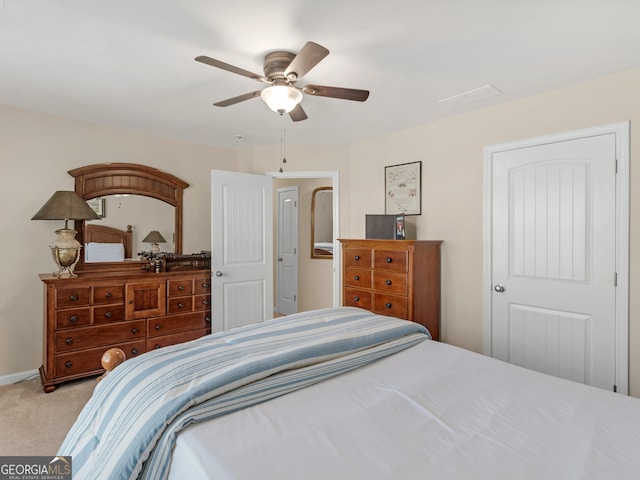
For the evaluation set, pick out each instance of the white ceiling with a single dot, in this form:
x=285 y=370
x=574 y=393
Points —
x=130 y=63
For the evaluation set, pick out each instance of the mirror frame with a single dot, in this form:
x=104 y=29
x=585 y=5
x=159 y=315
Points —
x=103 y=179
x=313 y=223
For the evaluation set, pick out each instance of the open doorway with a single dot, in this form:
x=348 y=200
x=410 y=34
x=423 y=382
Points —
x=318 y=279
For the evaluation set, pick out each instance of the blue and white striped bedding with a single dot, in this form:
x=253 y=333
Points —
x=127 y=429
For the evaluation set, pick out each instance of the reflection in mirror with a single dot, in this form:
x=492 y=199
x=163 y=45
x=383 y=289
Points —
x=322 y=223
x=143 y=213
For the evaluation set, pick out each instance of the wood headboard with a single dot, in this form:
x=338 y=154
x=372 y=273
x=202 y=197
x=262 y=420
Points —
x=104 y=234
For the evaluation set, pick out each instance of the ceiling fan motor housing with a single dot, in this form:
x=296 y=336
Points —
x=275 y=64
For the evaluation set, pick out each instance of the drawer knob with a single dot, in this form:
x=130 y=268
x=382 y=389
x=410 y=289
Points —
x=73 y=318
x=73 y=298
x=205 y=285
x=68 y=341
x=134 y=330
x=181 y=305
x=108 y=295
x=389 y=260
x=357 y=257
x=205 y=302
x=108 y=315
x=388 y=305
x=134 y=351
x=357 y=277
x=156 y=346
x=68 y=364
x=356 y=299
x=180 y=287
x=388 y=282
x=158 y=327
x=207 y=319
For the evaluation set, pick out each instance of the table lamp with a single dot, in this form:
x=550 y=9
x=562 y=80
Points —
x=65 y=205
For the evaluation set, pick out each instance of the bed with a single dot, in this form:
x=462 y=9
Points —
x=346 y=394
x=107 y=244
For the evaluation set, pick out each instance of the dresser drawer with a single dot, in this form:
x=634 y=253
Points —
x=357 y=257
x=179 y=305
x=164 y=341
x=390 y=282
x=73 y=317
x=70 y=297
x=178 y=323
x=202 y=285
x=392 y=305
x=201 y=302
x=89 y=337
x=357 y=277
x=108 y=314
x=109 y=294
x=396 y=260
x=90 y=360
x=180 y=288
x=354 y=297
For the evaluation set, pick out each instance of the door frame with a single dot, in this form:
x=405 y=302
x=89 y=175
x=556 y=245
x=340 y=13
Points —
x=337 y=252
x=621 y=131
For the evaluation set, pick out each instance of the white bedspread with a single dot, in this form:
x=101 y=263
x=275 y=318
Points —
x=432 y=411
x=103 y=252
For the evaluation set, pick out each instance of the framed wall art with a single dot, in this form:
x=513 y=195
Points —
x=97 y=205
x=403 y=188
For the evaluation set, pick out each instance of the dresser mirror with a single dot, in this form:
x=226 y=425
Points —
x=322 y=223
x=131 y=198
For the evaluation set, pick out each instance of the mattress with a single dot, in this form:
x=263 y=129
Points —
x=104 y=252
x=432 y=411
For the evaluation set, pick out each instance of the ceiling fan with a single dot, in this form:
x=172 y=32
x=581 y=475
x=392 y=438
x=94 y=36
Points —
x=281 y=71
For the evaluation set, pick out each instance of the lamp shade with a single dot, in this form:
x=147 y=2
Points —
x=64 y=205
x=281 y=98
x=154 y=237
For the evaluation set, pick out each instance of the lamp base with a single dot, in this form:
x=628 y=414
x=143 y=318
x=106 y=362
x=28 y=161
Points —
x=66 y=252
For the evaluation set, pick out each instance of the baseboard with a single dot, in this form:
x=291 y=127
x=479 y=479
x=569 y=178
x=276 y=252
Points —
x=17 y=377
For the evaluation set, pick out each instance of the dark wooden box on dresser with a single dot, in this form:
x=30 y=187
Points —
x=400 y=278
x=86 y=315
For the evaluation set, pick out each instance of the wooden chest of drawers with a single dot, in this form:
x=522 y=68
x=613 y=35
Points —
x=400 y=278
x=87 y=315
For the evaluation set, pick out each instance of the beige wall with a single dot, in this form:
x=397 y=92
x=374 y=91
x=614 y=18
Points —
x=36 y=151
x=451 y=152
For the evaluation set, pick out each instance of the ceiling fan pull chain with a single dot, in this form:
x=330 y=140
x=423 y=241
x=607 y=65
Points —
x=282 y=142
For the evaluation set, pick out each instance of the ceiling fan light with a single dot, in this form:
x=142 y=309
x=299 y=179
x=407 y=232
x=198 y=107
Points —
x=281 y=98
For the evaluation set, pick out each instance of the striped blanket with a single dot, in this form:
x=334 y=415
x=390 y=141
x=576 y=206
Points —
x=128 y=428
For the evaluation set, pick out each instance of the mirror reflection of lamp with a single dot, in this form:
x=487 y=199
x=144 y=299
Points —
x=65 y=205
x=154 y=238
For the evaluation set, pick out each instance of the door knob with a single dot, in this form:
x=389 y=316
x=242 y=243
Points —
x=218 y=273
x=499 y=288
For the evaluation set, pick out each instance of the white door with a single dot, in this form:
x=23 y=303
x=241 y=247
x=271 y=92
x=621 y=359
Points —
x=242 y=249
x=287 y=251
x=553 y=272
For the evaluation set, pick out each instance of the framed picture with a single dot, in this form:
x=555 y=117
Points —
x=97 y=205
x=403 y=189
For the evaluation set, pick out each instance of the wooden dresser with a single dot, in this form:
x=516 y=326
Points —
x=400 y=278
x=137 y=312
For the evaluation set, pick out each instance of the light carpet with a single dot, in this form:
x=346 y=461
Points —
x=35 y=423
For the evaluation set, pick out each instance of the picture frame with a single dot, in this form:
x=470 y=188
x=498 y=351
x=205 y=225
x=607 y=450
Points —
x=403 y=188
x=97 y=205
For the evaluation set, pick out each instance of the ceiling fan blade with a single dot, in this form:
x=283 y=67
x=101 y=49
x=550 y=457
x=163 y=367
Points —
x=298 y=113
x=336 y=92
x=238 y=99
x=307 y=58
x=230 y=68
